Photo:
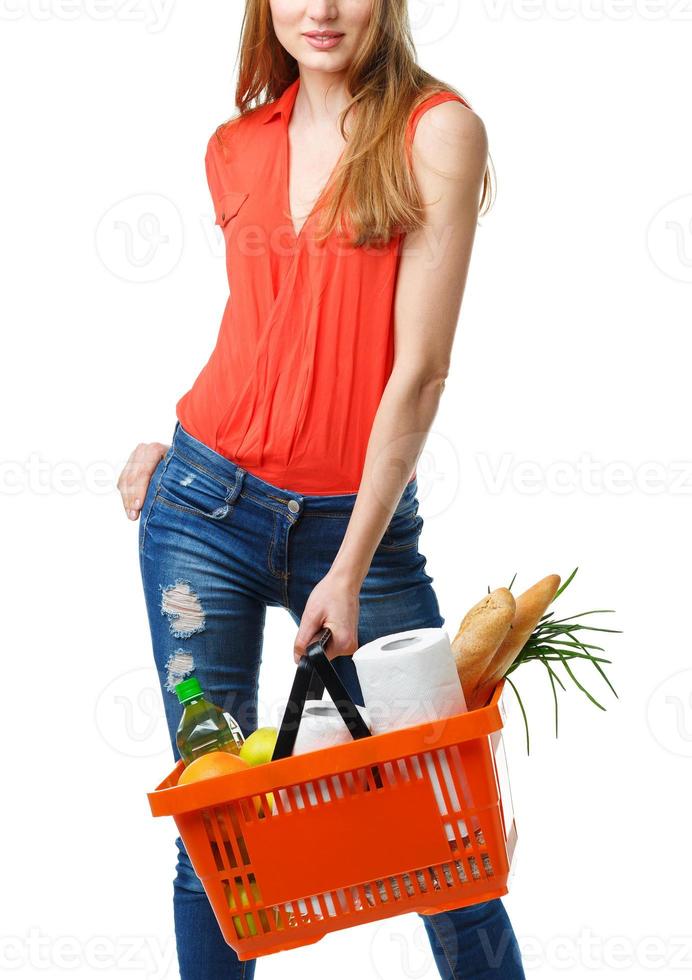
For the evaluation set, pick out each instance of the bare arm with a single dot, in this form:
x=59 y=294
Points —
x=449 y=159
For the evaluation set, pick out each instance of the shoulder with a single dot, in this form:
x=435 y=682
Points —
x=450 y=136
x=221 y=139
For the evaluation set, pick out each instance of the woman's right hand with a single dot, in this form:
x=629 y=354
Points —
x=134 y=479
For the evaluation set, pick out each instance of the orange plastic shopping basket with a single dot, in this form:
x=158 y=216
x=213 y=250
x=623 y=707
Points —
x=413 y=820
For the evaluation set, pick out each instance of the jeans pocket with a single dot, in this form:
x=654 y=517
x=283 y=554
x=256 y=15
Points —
x=188 y=486
x=403 y=531
x=150 y=496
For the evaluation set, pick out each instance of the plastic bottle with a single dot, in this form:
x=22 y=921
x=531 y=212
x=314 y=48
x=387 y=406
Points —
x=204 y=727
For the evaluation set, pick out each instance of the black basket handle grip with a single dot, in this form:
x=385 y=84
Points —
x=315 y=660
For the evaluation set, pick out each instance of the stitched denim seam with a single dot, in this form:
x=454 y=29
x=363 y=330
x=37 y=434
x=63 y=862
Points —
x=270 y=554
x=442 y=945
x=231 y=487
x=167 y=458
x=335 y=515
x=193 y=510
x=262 y=503
x=280 y=499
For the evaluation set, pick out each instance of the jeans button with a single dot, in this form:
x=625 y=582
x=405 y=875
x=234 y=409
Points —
x=293 y=506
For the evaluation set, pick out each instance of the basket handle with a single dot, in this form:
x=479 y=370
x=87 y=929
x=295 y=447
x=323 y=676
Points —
x=315 y=660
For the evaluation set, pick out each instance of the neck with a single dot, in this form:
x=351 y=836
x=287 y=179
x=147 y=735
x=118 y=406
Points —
x=321 y=96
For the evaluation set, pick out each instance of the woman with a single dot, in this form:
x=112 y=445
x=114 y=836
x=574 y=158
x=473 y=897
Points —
x=291 y=477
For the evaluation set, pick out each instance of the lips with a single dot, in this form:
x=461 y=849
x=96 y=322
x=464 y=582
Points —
x=323 y=40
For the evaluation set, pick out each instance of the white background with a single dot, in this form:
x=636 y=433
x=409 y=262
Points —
x=563 y=439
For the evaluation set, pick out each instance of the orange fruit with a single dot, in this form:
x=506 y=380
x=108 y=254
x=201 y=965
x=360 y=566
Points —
x=210 y=765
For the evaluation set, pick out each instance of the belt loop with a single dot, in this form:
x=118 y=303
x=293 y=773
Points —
x=239 y=480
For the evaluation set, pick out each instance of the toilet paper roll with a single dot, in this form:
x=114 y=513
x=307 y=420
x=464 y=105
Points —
x=321 y=727
x=408 y=678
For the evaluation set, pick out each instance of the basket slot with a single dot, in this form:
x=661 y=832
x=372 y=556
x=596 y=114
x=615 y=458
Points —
x=417 y=767
x=282 y=802
x=248 y=917
x=442 y=770
x=239 y=836
x=477 y=858
x=324 y=791
x=390 y=773
x=431 y=879
x=328 y=903
x=441 y=796
x=385 y=888
x=218 y=823
x=353 y=899
x=412 y=767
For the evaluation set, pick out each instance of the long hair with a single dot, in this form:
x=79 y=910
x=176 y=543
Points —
x=372 y=189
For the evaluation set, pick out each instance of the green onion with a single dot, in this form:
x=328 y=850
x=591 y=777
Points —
x=556 y=641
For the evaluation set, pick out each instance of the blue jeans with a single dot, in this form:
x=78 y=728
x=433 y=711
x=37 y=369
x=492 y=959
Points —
x=217 y=545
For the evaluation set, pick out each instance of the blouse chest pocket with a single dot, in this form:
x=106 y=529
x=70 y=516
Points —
x=228 y=206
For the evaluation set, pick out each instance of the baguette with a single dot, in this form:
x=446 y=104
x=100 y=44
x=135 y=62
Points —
x=530 y=607
x=481 y=632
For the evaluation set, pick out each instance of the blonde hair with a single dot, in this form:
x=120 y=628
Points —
x=372 y=188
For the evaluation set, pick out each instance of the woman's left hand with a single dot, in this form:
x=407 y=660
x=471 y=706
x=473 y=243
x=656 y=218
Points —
x=333 y=603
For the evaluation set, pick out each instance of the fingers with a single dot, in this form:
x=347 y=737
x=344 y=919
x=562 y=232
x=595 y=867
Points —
x=310 y=624
x=343 y=642
x=134 y=480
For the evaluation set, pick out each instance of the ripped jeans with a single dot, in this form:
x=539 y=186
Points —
x=217 y=545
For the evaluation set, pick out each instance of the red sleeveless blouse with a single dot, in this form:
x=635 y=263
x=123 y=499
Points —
x=305 y=346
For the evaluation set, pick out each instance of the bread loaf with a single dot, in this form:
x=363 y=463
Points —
x=530 y=607
x=480 y=634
